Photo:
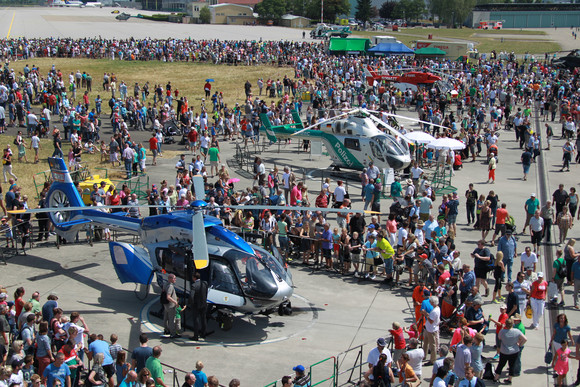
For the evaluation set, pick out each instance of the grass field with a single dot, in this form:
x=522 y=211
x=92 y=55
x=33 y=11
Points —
x=485 y=40
x=189 y=78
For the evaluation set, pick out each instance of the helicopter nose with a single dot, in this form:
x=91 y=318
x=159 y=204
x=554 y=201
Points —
x=398 y=162
x=284 y=291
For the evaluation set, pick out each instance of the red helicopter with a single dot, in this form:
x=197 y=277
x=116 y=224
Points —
x=413 y=77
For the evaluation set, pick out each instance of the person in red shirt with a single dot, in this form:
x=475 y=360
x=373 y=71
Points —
x=153 y=147
x=443 y=274
x=538 y=299
x=207 y=89
x=501 y=216
x=503 y=316
x=18 y=300
x=400 y=344
x=192 y=138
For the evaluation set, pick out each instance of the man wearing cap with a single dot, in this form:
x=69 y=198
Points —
x=531 y=205
x=538 y=296
x=373 y=358
x=301 y=379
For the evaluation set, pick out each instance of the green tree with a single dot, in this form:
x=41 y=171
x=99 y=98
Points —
x=205 y=15
x=363 y=10
x=452 y=11
x=271 y=10
x=387 y=9
x=332 y=8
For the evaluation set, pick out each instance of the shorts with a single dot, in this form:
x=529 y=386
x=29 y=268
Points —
x=536 y=237
x=355 y=257
x=327 y=253
x=283 y=240
x=389 y=266
x=336 y=247
x=213 y=164
x=142 y=164
x=452 y=218
x=370 y=262
x=204 y=151
x=559 y=284
x=192 y=144
x=526 y=168
x=154 y=151
x=480 y=272
x=409 y=262
x=499 y=228
x=109 y=370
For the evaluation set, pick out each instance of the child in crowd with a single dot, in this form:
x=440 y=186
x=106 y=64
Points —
x=400 y=345
x=560 y=362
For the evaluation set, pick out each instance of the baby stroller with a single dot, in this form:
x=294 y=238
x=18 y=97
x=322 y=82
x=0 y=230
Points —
x=450 y=316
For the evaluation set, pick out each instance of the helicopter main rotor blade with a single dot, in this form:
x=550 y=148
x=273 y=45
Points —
x=199 y=243
x=298 y=208
x=322 y=122
x=409 y=119
x=198 y=187
x=389 y=127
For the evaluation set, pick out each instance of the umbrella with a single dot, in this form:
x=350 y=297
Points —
x=234 y=180
x=210 y=80
x=447 y=143
x=420 y=137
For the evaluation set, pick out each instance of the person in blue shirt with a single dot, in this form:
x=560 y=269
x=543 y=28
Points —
x=57 y=371
x=576 y=281
x=327 y=245
x=368 y=193
x=200 y=376
x=100 y=346
x=467 y=282
x=508 y=245
x=129 y=380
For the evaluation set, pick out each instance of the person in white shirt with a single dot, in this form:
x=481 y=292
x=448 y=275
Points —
x=416 y=356
x=373 y=358
x=529 y=259
x=35 y=144
x=416 y=173
x=431 y=334
x=339 y=193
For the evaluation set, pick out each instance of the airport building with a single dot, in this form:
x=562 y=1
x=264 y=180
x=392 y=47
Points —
x=528 y=15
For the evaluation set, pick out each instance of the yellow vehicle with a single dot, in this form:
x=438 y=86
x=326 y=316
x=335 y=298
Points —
x=86 y=187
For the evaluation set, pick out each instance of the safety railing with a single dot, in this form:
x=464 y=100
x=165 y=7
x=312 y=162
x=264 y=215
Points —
x=320 y=364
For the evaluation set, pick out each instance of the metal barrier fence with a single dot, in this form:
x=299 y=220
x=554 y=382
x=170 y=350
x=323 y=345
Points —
x=330 y=371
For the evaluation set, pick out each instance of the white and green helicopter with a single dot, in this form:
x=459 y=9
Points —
x=353 y=139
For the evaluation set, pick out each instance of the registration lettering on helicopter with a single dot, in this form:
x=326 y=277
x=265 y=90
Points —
x=342 y=153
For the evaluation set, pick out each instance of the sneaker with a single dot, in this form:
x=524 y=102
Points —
x=373 y=277
x=367 y=276
x=496 y=356
x=356 y=273
x=496 y=301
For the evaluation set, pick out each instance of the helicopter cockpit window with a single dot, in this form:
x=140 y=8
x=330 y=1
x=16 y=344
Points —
x=352 y=143
x=377 y=153
x=223 y=278
x=390 y=145
x=271 y=261
x=255 y=277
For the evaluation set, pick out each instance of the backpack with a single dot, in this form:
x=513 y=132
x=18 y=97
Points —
x=488 y=372
x=491 y=262
x=562 y=270
x=163 y=297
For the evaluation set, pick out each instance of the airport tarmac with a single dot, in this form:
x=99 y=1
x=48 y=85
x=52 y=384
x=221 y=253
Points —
x=78 y=23
x=332 y=313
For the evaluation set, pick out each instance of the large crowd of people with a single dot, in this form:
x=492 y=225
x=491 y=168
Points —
x=414 y=245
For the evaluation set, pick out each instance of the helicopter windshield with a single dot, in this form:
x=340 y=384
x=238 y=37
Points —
x=255 y=277
x=390 y=145
x=274 y=262
x=223 y=278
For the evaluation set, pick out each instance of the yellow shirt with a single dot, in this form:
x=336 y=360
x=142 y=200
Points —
x=385 y=248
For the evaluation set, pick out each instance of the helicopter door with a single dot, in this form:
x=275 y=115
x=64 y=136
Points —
x=131 y=263
x=224 y=288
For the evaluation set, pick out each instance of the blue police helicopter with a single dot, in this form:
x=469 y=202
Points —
x=242 y=277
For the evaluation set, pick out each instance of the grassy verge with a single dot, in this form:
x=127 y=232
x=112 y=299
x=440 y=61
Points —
x=485 y=40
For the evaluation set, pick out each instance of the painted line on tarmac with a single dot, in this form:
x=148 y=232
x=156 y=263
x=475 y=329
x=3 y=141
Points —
x=10 y=28
x=154 y=328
